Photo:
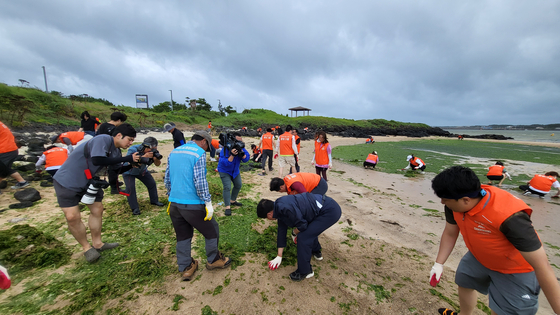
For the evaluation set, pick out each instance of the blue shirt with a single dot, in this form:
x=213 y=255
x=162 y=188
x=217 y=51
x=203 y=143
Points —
x=143 y=167
x=231 y=168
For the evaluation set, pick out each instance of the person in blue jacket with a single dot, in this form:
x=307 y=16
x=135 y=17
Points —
x=228 y=167
x=309 y=215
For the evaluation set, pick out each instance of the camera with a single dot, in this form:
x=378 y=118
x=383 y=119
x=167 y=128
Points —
x=230 y=142
x=145 y=160
x=93 y=187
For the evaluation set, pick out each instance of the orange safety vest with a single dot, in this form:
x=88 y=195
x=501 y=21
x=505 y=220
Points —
x=7 y=140
x=542 y=182
x=267 y=141
x=216 y=143
x=309 y=181
x=286 y=144
x=480 y=228
x=414 y=163
x=74 y=136
x=372 y=158
x=298 y=144
x=209 y=125
x=55 y=157
x=321 y=155
x=97 y=123
x=495 y=170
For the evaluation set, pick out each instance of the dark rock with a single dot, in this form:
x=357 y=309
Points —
x=31 y=158
x=21 y=205
x=28 y=194
x=26 y=167
x=46 y=183
x=3 y=184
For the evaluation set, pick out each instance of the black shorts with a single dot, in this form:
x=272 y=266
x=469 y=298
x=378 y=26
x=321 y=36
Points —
x=8 y=159
x=495 y=177
x=68 y=198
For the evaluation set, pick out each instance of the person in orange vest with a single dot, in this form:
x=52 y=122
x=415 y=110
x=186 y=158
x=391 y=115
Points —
x=497 y=172
x=460 y=137
x=306 y=129
x=415 y=163
x=298 y=144
x=278 y=131
x=244 y=129
x=256 y=153
x=300 y=183
x=286 y=148
x=209 y=126
x=259 y=131
x=505 y=260
x=53 y=157
x=541 y=185
x=8 y=154
x=370 y=140
x=266 y=145
x=371 y=160
x=71 y=138
x=322 y=158
x=217 y=147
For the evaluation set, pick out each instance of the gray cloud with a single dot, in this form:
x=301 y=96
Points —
x=435 y=62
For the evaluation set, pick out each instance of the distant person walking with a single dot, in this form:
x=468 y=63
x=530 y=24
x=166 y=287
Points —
x=178 y=137
x=286 y=148
x=371 y=160
x=322 y=156
x=541 y=185
x=497 y=172
x=266 y=145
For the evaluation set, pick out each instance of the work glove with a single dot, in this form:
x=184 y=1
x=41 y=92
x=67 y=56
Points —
x=312 y=162
x=435 y=274
x=294 y=237
x=209 y=211
x=276 y=155
x=275 y=263
x=5 y=281
x=330 y=165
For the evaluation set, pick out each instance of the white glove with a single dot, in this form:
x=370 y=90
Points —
x=435 y=274
x=294 y=237
x=275 y=263
x=209 y=211
x=330 y=165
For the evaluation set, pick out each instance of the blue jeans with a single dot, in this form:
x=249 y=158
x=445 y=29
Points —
x=228 y=192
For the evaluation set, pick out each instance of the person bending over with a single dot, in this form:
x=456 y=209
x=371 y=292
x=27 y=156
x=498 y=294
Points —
x=178 y=137
x=371 y=160
x=300 y=183
x=53 y=158
x=506 y=259
x=71 y=139
x=541 y=185
x=415 y=163
x=497 y=172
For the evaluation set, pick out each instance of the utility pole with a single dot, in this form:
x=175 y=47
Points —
x=171 y=99
x=45 y=75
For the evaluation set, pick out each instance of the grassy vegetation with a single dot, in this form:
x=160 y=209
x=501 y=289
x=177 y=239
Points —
x=442 y=153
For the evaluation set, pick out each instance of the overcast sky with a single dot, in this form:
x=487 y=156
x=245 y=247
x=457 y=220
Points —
x=435 y=62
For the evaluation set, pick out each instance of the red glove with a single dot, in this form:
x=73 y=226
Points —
x=5 y=281
x=276 y=155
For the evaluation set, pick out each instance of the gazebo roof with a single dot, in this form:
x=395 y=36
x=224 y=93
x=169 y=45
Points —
x=298 y=108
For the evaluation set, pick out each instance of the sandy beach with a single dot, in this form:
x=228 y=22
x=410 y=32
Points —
x=378 y=206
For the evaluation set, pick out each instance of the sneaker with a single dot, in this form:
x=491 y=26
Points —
x=271 y=169
x=107 y=246
x=213 y=159
x=220 y=262
x=296 y=276
x=446 y=311
x=20 y=185
x=136 y=211
x=317 y=255
x=542 y=197
x=237 y=204
x=91 y=255
x=262 y=174
x=189 y=272
x=228 y=212
x=157 y=203
x=527 y=193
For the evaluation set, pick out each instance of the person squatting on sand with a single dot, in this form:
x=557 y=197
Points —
x=150 y=155
x=300 y=183
x=53 y=158
x=505 y=254
x=286 y=150
x=190 y=206
x=497 y=172
x=228 y=166
x=309 y=215
x=541 y=185
x=78 y=180
x=322 y=155
x=371 y=160
x=414 y=163
x=8 y=154
x=71 y=138
x=266 y=145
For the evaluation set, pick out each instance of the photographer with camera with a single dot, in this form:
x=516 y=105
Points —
x=148 y=155
x=78 y=180
x=232 y=155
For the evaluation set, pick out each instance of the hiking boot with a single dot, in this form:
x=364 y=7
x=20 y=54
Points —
x=20 y=185
x=271 y=169
x=527 y=193
x=220 y=262
x=91 y=255
x=157 y=203
x=296 y=276
x=228 y=212
x=107 y=246
x=189 y=271
x=446 y=311
x=237 y=204
x=317 y=255
x=114 y=191
x=136 y=211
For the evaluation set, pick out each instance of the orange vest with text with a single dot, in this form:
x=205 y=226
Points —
x=414 y=163
x=55 y=157
x=321 y=155
x=309 y=181
x=372 y=158
x=286 y=144
x=480 y=228
x=495 y=170
x=7 y=141
x=542 y=182
x=267 y=141
x=74 y=136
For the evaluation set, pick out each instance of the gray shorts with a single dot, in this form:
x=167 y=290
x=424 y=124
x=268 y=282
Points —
x=284 y=161
x=68 y=198
x=516 y=293
x=8 y=159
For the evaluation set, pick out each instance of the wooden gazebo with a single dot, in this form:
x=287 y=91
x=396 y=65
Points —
x=299 y=109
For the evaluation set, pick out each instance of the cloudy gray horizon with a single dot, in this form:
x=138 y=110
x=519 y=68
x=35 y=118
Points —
x=436 y=62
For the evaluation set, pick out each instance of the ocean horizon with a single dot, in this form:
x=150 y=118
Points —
x=519 y=135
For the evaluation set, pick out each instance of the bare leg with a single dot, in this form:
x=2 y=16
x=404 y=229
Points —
x=95 y=222
x=76 y=226
x=467 y=300
x=17 y=177
x=500 y=184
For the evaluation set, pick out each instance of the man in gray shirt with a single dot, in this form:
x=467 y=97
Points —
x=78 y=173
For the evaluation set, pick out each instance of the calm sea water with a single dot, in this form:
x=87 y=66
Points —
x=519 y=135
